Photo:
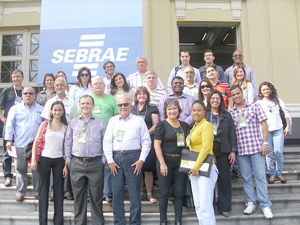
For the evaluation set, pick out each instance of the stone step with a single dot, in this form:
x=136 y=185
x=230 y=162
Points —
x=281 y=217
x=279 y=201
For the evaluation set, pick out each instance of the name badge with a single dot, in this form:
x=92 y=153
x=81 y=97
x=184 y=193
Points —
x=180 y=140
x=274 y=109
x=181 y=104
x=151 y=99
x=97 y=109
x=119 y=136
x=18 y=100
x=242 y=121
x=143 y=117
x=188 y=139
x=82 y=137
x=188 y=93
x=67 y=108
x=215 y=128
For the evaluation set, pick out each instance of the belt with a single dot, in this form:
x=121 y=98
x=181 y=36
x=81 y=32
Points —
x=126 y=152
x=87 y=159
x=173 y=155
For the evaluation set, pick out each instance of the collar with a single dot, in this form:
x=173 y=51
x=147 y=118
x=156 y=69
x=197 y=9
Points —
x=206 y=65
x=193 y=85
x=171 y=94
x=137 y=73
x=245 y=106
x=57 y=98
x=199 y=124
x=81 y=117
x=128 y=117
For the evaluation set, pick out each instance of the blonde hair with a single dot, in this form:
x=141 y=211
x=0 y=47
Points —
x=235 y=80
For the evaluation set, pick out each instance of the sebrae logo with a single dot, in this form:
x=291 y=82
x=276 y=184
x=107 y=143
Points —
x=89 y=54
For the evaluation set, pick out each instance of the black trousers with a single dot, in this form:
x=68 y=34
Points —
x=224 y=178
x=44 y=170
x=177 y=180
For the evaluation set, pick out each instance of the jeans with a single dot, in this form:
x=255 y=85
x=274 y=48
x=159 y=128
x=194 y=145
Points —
x=276 y=141
x=6 y=162
x=44 y=169
x=107 y=190
x=126 y=174
x=203 y=194
x=254 y=162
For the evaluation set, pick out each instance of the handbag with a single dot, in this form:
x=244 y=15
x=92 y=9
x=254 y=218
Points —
x=282 y=116
x=188 y=160
x=40 y=144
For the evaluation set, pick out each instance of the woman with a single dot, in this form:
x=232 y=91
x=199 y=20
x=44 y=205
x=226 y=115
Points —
x=119 y=86
x=48 y=91
x=51 y=159
x=63 y=75
x=201 y=140
x=271 y=105
x=224 y=147
x=169 y=136
x=150 y=115
x=82 y=86
x=205 y=87
x=240 y=78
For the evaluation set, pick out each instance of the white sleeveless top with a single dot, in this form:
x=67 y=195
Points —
x=54 y=142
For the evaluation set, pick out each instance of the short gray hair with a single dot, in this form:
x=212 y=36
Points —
x=60 y=78
x=141 y=57
x=151 y=72
x=168 y=102
x=97 y=78
x=124 y=96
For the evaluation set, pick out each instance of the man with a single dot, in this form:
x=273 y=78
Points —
x=85 y=158
x=179 y=71
x=185 y=101
x=72 y=111
x=212 y=74
x=9 y=97
x=139 y=78
x=190 y=86
x=105 y=108
x=155 y=92
x=251 y=150
x=109 y=68
x=22 y=124
x=126 y=145
x=238 y=60
x=209 y=57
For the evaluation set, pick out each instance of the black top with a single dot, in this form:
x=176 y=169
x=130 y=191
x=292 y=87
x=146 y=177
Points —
x=166 y=133
x=150 y=110
x=7 y=99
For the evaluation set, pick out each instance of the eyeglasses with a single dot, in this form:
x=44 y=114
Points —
x=124 y=104
x=235 y=56
x=28 y=93
x=189 y=72
x=205 y=86
x=84 y=74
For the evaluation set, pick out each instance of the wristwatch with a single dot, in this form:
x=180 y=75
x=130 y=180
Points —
x=266 y=144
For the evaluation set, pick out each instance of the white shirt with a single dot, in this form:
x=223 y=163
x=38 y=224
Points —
x=272 y=112
x=54 y=143
x=136 y=136
x=107 y=85
x=249 y=93
x=71 y=108
x=136 y=79
x=191 y=90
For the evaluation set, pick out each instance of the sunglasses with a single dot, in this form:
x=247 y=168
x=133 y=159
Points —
x=204 y=86
x=238 y=56
x=124 y=104
x=28 y=93
x=84 y=74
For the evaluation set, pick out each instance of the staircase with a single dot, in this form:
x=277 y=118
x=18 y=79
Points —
x=285 y=202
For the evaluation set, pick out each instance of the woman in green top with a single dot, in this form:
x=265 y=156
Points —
x=201 y=141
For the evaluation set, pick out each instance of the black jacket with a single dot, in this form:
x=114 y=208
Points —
x=227 y=131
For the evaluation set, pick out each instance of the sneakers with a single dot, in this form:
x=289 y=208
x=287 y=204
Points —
x=267 y=211
x=7 y=181
x=250 y=208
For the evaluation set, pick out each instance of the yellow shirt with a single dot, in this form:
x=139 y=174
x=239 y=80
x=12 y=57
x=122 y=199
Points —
x=202 y=139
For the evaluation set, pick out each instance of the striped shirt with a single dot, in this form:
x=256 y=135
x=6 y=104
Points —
x=249 y=138
x=156 y=95
x=224 y=88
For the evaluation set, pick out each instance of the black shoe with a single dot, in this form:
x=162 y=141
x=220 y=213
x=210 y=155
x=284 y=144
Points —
x=163 y=223
x=177 y=223
x=108 y=199
x=236 y=172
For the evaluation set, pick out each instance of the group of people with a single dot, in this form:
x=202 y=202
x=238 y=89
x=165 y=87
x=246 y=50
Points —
x=103 y=133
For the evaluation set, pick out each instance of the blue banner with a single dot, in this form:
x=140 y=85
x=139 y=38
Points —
x=76 y=34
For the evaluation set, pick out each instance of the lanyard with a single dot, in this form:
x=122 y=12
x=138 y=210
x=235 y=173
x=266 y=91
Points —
x=217 y=118
x=16 y=91
x=180 y=128
x=137 y=110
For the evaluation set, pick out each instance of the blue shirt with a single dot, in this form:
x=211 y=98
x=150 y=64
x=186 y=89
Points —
x=221 y=75
x=23 y=123
x=77 y=92
x=180 y=73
